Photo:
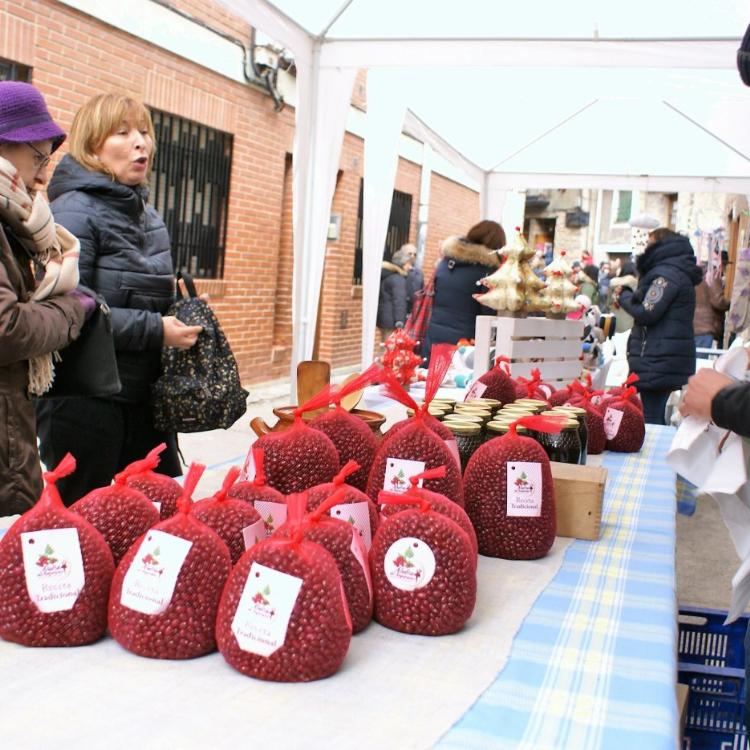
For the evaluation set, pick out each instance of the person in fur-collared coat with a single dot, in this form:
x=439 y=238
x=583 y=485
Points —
x=465 y=261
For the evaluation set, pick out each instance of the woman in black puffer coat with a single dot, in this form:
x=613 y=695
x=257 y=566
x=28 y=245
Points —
x=465 y=261
x=661 y=348
x=98 y=193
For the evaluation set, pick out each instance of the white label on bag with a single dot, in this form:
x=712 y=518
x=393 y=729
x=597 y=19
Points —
x=476 y=390
x=247 y=472
x=398 y=471
x=262 y=617
x=149 y=584
x=273 y=514
x=612 y=419
x=358 y=515
x=359 y=551
x=254 y=533
x=53 y=567
x=524 y=497
x=409 y=564
x=545 y=389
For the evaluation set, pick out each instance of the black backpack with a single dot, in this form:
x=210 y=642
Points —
x=199 y=388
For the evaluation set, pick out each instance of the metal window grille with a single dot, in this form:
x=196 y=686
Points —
x=399 y=224
x=190 y=189
x=11 y=71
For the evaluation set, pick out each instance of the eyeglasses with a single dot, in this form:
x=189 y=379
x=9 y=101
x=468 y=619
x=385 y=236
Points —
x=41 y=159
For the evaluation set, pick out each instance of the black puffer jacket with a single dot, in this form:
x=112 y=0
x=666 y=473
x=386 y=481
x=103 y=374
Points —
x=125 y=256
x=661 y=348
x=454 y=309
x=394 y=302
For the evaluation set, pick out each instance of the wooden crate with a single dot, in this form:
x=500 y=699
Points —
x=579 y=492
x=554 y=346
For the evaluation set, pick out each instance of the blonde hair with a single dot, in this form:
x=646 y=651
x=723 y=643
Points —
x=99 y=118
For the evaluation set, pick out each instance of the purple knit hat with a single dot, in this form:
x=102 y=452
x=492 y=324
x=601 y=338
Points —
x=24 y=116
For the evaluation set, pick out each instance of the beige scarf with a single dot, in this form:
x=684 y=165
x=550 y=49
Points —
x=49 y=244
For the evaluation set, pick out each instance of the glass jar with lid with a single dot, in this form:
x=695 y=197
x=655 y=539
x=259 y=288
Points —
x=583 y=433
x=564 y=446
x=468 y=438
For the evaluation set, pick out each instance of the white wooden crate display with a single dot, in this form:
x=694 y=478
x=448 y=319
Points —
x=554 y=346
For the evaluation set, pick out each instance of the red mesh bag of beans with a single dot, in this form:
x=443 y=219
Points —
x=561 y=396
x=269 y=502
x=415 y=447
x=510 y=495
x=300 y=457
x=159 y=488
x=55 y=573
x=345 y=545
x=236 y=521
x=597 y=439
x=438 y=503
x=624 y=424
x=617 y=390
x=495 y=383
x=166 y=590
x=534 y=387
x=351 y=436
x=283 y=615
x=353 y=506
x=423 y=569
x=119 y=512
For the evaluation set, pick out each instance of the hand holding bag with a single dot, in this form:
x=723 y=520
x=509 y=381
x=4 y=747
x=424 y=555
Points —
x=88 y=366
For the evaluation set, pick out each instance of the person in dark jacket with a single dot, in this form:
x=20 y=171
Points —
x=31 y=326
x=465 y=261
x=415 y=277
x=394 y=301
x=98 y=192
x=661 y=348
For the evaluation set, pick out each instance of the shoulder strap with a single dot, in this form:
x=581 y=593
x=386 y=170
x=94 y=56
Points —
x=189 y=284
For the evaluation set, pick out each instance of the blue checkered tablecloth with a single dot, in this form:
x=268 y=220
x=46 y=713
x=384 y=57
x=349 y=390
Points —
x=594 y=664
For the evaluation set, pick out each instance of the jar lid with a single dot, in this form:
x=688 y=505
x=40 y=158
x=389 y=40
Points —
x=503 y=427
x=569 y=422
x=430 y=410
x=570 y=409
x=492 y=402
x=463 y=418
x=463 y=428
x=533 y=401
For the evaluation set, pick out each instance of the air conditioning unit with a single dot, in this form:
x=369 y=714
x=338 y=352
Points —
x=576 y=218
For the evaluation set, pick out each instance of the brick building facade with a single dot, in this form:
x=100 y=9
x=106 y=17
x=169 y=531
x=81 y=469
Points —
x=71 y=56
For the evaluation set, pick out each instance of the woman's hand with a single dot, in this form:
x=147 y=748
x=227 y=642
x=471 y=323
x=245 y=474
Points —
x=179 y=335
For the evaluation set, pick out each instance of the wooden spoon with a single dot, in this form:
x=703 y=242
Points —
x=312 y=376
x=352 y=399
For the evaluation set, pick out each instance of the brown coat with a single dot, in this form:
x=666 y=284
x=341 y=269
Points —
x=27 y=329
x=710 y=306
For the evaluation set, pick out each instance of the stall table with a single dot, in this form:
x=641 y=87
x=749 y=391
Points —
x=593 y=664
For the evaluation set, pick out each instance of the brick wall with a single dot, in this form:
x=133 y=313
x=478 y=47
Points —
x=453 y=210
x=75 y=57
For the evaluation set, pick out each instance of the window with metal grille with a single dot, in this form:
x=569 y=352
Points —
x=12 y=71
x=399 y=224
x=190 y=189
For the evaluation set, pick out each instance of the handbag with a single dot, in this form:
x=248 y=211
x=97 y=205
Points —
x=419 y=319
x=88 y=366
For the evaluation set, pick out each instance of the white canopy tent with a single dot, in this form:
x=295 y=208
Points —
x=643 y=96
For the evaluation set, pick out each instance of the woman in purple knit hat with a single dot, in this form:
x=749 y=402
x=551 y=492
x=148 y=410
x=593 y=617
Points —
x=36 y=317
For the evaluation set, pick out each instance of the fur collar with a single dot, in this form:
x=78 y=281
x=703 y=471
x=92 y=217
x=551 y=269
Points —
x=458 y=249
x=393 y=268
